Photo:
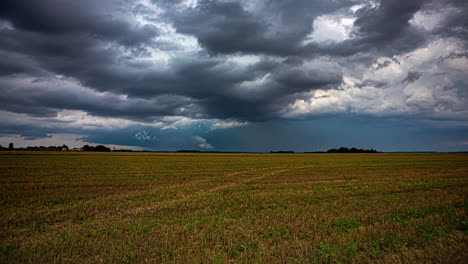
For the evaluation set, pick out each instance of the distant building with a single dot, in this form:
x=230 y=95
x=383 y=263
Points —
x=64 y=148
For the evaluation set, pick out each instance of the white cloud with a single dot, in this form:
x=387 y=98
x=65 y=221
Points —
x=333 y=28
x=433 y=19
x=419 y=82
x=67 y=119
x=191 y=3
x=202 y=143
x=249 y=89
x=243 y=60
x=146 y=13
x=221 y=124
x=330 y=29
x=6 y=25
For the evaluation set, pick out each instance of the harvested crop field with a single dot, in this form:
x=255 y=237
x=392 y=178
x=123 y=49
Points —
x=233 y=208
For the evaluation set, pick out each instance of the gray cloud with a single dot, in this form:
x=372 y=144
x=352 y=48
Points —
x=93 y=19
x=387 y=21
x=202 y=143
x=265 y=27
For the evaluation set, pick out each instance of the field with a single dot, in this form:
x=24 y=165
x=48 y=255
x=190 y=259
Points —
x=233 y=208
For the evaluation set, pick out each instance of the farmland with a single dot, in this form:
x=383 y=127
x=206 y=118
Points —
x=233 y=208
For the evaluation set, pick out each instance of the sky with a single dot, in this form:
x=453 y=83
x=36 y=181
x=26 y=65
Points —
x=235 y=75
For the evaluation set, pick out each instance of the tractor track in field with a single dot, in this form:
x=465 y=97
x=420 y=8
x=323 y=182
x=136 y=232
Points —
x=155 y=188
x=173 y=203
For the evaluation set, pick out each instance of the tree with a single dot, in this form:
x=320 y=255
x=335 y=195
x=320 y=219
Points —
x=10 y=146
x=99 y=148
x=102 y=148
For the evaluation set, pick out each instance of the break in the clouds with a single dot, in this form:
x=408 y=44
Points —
x=92 y=67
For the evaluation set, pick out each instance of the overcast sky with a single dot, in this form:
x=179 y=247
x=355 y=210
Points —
x=235 y=75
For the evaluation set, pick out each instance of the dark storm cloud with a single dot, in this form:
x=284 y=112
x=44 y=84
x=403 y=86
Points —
x=28 y=132
x=271 y=27
x=46 y=97
x=388 y=21
x=382 y=29
x=13 y=62
x=95 y=19
x=225 y=27
x=97 y=57
x=206 y=79
x=279 y=27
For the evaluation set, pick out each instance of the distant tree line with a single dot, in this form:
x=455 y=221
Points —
x=351 y=150
x=43 y=148
x=189 y=151
x=98 y=148
x=36 y=148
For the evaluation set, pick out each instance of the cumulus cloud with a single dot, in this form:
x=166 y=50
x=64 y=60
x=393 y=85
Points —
x=202 y=143
x=429 y=81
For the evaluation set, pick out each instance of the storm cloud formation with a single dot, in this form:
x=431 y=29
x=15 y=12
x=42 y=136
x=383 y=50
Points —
x=111 y=64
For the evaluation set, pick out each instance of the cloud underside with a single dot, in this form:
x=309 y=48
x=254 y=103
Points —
x=114 y=63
